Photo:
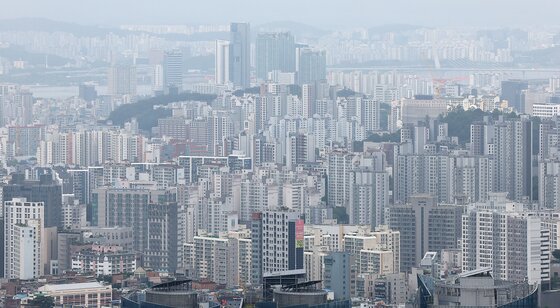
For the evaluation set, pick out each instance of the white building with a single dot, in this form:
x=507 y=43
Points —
x=546 y=110
x=209 y=259
x=331 y=236
x=369 y=197
x=314 y=262
x=222 y=62
x=277 y=243
x=370 y=114
x=224 y=260
x=86 y=294
x=24 y=248
x=339 y=171
x=376 y=252
x=515 y=246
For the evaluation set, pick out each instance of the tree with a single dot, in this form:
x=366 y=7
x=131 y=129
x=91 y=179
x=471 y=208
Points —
x=394 y=137
x=459 y=121
x=145 y=113
x=105 y=278
x=253 y=90
x=554 y=283
x=347 y=93
x=339 y=213
x=384 y=112
x=556 y=254
x=41 y=301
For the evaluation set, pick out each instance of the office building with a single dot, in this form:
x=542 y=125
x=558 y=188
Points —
x=156 y=61
x=512 y=92
x=240 y=55
x=173 y=69
x=275 y=52
x=312 y=66
x=222 y=62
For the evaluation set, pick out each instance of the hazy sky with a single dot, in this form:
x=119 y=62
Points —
x=321 y=13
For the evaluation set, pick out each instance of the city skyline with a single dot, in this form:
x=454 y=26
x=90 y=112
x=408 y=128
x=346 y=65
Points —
x=202 y=154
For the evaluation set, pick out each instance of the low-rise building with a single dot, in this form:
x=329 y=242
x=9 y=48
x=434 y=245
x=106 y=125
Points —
x=104 y=260
x=87 y=294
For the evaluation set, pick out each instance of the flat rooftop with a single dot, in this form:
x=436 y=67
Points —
x=72 y=286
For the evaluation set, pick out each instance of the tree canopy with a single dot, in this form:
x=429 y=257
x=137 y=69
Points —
x=459 y=121
x=253 y=90
x=145 y=113
x=346 y=93
x=41 y=301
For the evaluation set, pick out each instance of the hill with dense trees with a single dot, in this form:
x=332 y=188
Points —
x=459 y=121
x=145 y=113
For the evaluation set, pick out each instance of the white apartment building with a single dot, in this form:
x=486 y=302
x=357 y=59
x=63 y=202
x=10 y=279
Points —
x=225 y=260
x=314 y=262
x=515 y=246
x=331 y=236
x=376 y=252
x=24 y=248
x=369 y=197
x=370 y=114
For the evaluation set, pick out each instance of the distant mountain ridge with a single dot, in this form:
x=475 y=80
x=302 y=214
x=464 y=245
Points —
x=393 y=28
x=296 y=28
x=47 y=25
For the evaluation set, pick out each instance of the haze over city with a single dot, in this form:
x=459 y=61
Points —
x=321 y=13
x=271 y=154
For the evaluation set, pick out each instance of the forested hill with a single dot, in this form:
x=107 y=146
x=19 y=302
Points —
x=144 y=112
x=459 y=121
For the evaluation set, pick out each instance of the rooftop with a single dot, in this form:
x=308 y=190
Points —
x=71 y=286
